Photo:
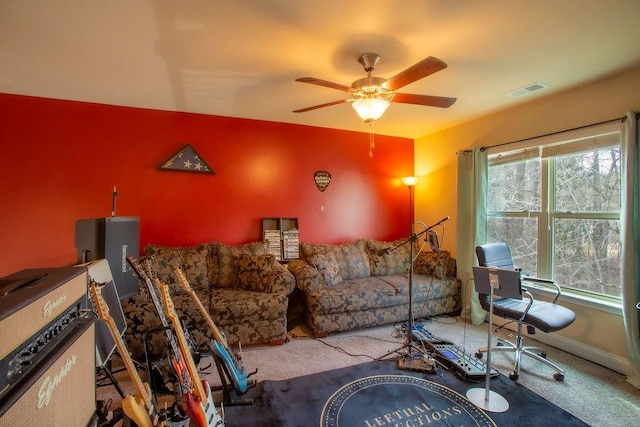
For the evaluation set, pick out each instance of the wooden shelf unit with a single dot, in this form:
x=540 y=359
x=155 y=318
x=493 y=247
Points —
x=283 y=237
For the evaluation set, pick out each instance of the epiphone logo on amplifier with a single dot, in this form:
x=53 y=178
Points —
x=50 y=306
x=49 y=383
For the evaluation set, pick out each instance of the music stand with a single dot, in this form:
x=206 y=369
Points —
x=486 y=280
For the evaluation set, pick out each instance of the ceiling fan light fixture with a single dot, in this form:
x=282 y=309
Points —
x=370 y=109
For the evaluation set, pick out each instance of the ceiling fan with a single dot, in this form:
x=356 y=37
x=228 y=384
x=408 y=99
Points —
x=371 y=96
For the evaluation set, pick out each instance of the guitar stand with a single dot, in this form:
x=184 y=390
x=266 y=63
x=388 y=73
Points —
x=110 y=380
x=227 y=388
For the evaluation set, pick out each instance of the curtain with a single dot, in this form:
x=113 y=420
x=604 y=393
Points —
x=471 y=225
x=630 y=236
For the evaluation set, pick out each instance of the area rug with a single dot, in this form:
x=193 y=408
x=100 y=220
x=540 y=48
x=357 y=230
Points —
x=378 y=394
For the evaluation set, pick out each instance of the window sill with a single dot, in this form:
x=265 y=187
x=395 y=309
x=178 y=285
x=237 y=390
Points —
x=603 y=304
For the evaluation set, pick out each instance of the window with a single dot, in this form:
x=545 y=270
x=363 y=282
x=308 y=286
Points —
x=556 y=203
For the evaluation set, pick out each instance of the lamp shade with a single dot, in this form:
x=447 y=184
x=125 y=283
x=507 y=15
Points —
x=370 y=109
x=409 y=181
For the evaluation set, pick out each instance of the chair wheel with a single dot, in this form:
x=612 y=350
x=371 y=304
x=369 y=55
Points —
x=479 y=355
x=513 y=376
x=558 y=377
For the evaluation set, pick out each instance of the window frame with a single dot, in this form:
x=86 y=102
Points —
x=547 y=148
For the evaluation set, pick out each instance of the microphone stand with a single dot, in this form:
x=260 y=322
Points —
x=408 y=344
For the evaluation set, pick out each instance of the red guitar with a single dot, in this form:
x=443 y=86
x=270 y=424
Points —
x=174 y=355
x=198 y=403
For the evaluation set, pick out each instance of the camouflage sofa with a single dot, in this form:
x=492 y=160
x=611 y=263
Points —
x=244 y=289
x=358 y=284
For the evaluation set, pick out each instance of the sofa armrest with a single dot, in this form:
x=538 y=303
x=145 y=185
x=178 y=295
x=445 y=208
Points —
x=281 y=281
x=307 y=277
x=438 y=264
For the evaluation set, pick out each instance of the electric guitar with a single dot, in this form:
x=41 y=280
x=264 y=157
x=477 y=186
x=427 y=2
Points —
x=141 y=408
x=198 y=403
x=176 y=362
x=219 y=346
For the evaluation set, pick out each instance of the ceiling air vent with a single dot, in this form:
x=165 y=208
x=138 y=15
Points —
x=533 y=87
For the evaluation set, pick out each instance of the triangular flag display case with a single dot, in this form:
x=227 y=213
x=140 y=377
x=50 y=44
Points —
x=186 y=160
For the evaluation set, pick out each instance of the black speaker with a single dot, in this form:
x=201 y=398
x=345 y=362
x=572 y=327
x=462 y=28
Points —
x=100 y=272
x=114 y=239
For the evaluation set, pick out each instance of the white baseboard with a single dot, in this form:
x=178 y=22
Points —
x=592 y=354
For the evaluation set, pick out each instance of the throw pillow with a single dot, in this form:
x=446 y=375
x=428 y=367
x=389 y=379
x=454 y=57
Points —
x=352 y=258
x=227 y=264
x=253 y=271
x=389 y=258
x=194 y=261
x=327 y=265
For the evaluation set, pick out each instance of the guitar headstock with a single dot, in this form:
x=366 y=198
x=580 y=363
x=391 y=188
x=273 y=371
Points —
x=142 y=276
x=182 y=279
x=96 y=296
x=169 y=308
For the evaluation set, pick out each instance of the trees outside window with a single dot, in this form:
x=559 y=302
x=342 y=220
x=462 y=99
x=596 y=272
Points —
x=558 y=209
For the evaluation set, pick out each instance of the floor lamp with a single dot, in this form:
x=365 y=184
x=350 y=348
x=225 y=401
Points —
x=410 y=182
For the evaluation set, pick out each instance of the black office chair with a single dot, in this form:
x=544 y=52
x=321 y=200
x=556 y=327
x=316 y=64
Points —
x=546 y=316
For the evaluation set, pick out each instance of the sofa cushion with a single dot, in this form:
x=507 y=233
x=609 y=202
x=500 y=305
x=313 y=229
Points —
x=194 y=261
x=227 y=264
x=253 y=271
x=327 y=265
x=389 y=258
x=354 y=296
x=229 y=305
x=352 y=258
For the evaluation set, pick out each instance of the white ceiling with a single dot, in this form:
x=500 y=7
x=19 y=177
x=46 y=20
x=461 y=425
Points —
x=239 y=58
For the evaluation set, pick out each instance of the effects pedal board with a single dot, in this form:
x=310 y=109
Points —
x=463 y=364
x=451 y=356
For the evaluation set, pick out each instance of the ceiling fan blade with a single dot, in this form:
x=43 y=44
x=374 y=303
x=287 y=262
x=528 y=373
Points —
x=422 y=69
x=328 y=104
x=325 y=83
x=428 y=100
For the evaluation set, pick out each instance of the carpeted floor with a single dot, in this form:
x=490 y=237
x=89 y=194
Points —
x=592 y=393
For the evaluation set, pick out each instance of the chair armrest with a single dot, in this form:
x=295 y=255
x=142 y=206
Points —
x=308 y=278
x=281 y=281
x=526 y=310
x=547 y=282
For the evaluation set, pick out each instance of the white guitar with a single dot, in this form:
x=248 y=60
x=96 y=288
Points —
x=141 y=408
x=198 y=403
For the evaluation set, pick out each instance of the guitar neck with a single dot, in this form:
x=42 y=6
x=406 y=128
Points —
x=151 y=287
x=182 y=342
x=103 y=312
x=187 y=287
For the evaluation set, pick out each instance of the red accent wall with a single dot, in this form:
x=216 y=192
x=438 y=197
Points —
x=61 y=159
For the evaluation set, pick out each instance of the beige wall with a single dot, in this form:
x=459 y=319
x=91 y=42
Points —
x=436 y=164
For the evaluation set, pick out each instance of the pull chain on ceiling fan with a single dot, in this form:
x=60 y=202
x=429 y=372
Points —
x=371 y=96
